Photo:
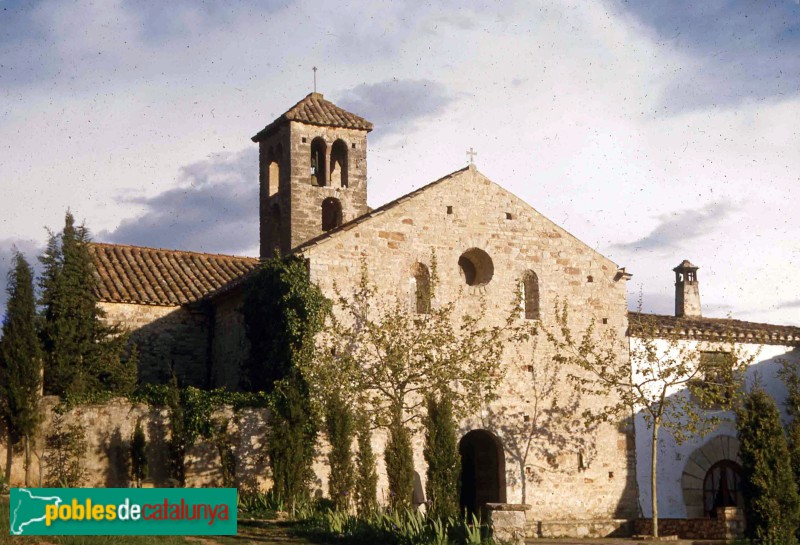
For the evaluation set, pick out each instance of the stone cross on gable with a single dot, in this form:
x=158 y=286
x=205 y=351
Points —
x=472 y=155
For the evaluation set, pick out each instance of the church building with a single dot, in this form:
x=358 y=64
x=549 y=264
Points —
x=492 y=249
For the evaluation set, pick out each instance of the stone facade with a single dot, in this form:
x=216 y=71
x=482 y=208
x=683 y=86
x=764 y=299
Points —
x=446 y=219
x=169 y=339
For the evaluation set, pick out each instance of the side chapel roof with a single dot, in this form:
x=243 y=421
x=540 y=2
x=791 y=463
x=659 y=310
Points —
x=154 y=276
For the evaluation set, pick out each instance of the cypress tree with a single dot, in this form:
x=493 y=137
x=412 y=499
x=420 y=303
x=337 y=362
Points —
x=367 y=478
x=399 y=459
x=442 y=457
x=339 y=426
x=771 y=500
x=82 y=354
x=20 y=362
x=291 y=440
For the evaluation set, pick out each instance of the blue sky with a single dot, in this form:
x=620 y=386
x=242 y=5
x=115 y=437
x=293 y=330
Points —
x=654 y=131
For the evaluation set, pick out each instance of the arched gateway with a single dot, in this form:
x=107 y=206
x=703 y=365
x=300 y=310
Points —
x=483 y=470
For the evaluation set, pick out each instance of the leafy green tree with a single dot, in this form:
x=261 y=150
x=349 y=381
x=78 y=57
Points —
x=665 y=379
x=339 y=426
x=20 y=363
x=366 y=483
x=83 y=355
x=771 y=499
x=443 y=459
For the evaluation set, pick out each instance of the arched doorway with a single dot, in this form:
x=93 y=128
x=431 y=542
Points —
x=722 y=487
x=483 y=470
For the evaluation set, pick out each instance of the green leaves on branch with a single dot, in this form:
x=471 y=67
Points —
x=771 y=498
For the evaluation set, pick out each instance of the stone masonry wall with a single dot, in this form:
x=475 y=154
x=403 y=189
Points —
x=168 y=339
x=229 y=346
x=592 y=481
x=109 y=428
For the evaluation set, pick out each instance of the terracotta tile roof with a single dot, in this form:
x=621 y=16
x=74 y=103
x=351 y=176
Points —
x=315 y=110
x=717 y=329
x=150 y=276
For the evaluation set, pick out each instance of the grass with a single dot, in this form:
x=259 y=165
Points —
x=262 y=533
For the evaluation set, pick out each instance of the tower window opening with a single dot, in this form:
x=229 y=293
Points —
x=530 y=295
x=318 y=151
x=274 y=170
x=331 y=213
x=339 y=164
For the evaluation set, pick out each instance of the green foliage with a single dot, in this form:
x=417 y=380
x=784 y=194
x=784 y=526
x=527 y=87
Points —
x=82 y=354
x=138 y=452
x=259 y=504
x=65 y=453
x=442 y=457
x=366 y=482
x=399 y=458
x=20 y=355
x=386 y=355
x=224 y=442
x=340 y=428
x=395 y=527
x=291 y=439
x=772 y=505
x=283 y=311
x=179 y=435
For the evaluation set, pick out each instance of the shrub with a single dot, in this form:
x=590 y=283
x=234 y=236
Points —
x=771 y=501
x=366 y=477
x=399 y=459
x=66 y=451
x=339 y=424
x=441 y=454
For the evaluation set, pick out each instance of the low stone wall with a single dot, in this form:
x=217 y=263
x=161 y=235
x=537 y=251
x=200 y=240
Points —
x=109 y=428
x=728 y=524
x=579 y=528
x=507 y=522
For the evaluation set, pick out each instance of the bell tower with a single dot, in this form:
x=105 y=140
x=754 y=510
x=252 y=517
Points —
x=312 y=173
x=687 y=291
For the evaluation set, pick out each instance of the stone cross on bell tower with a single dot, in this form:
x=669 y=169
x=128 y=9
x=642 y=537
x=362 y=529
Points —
x=687 y=291
x=312 y=173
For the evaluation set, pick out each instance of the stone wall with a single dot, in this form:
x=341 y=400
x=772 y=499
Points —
x=109 y=428
x=229 y=344
x=728 y=524
x=591 y=481
x=169 y=339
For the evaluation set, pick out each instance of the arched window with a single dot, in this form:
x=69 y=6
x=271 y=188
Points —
x=339 y=164
x=331 y=213
x=722 y=486
x=530 y=295
x=274 y=229
x=421 y=279
x=318 y=174
x=274 y=170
